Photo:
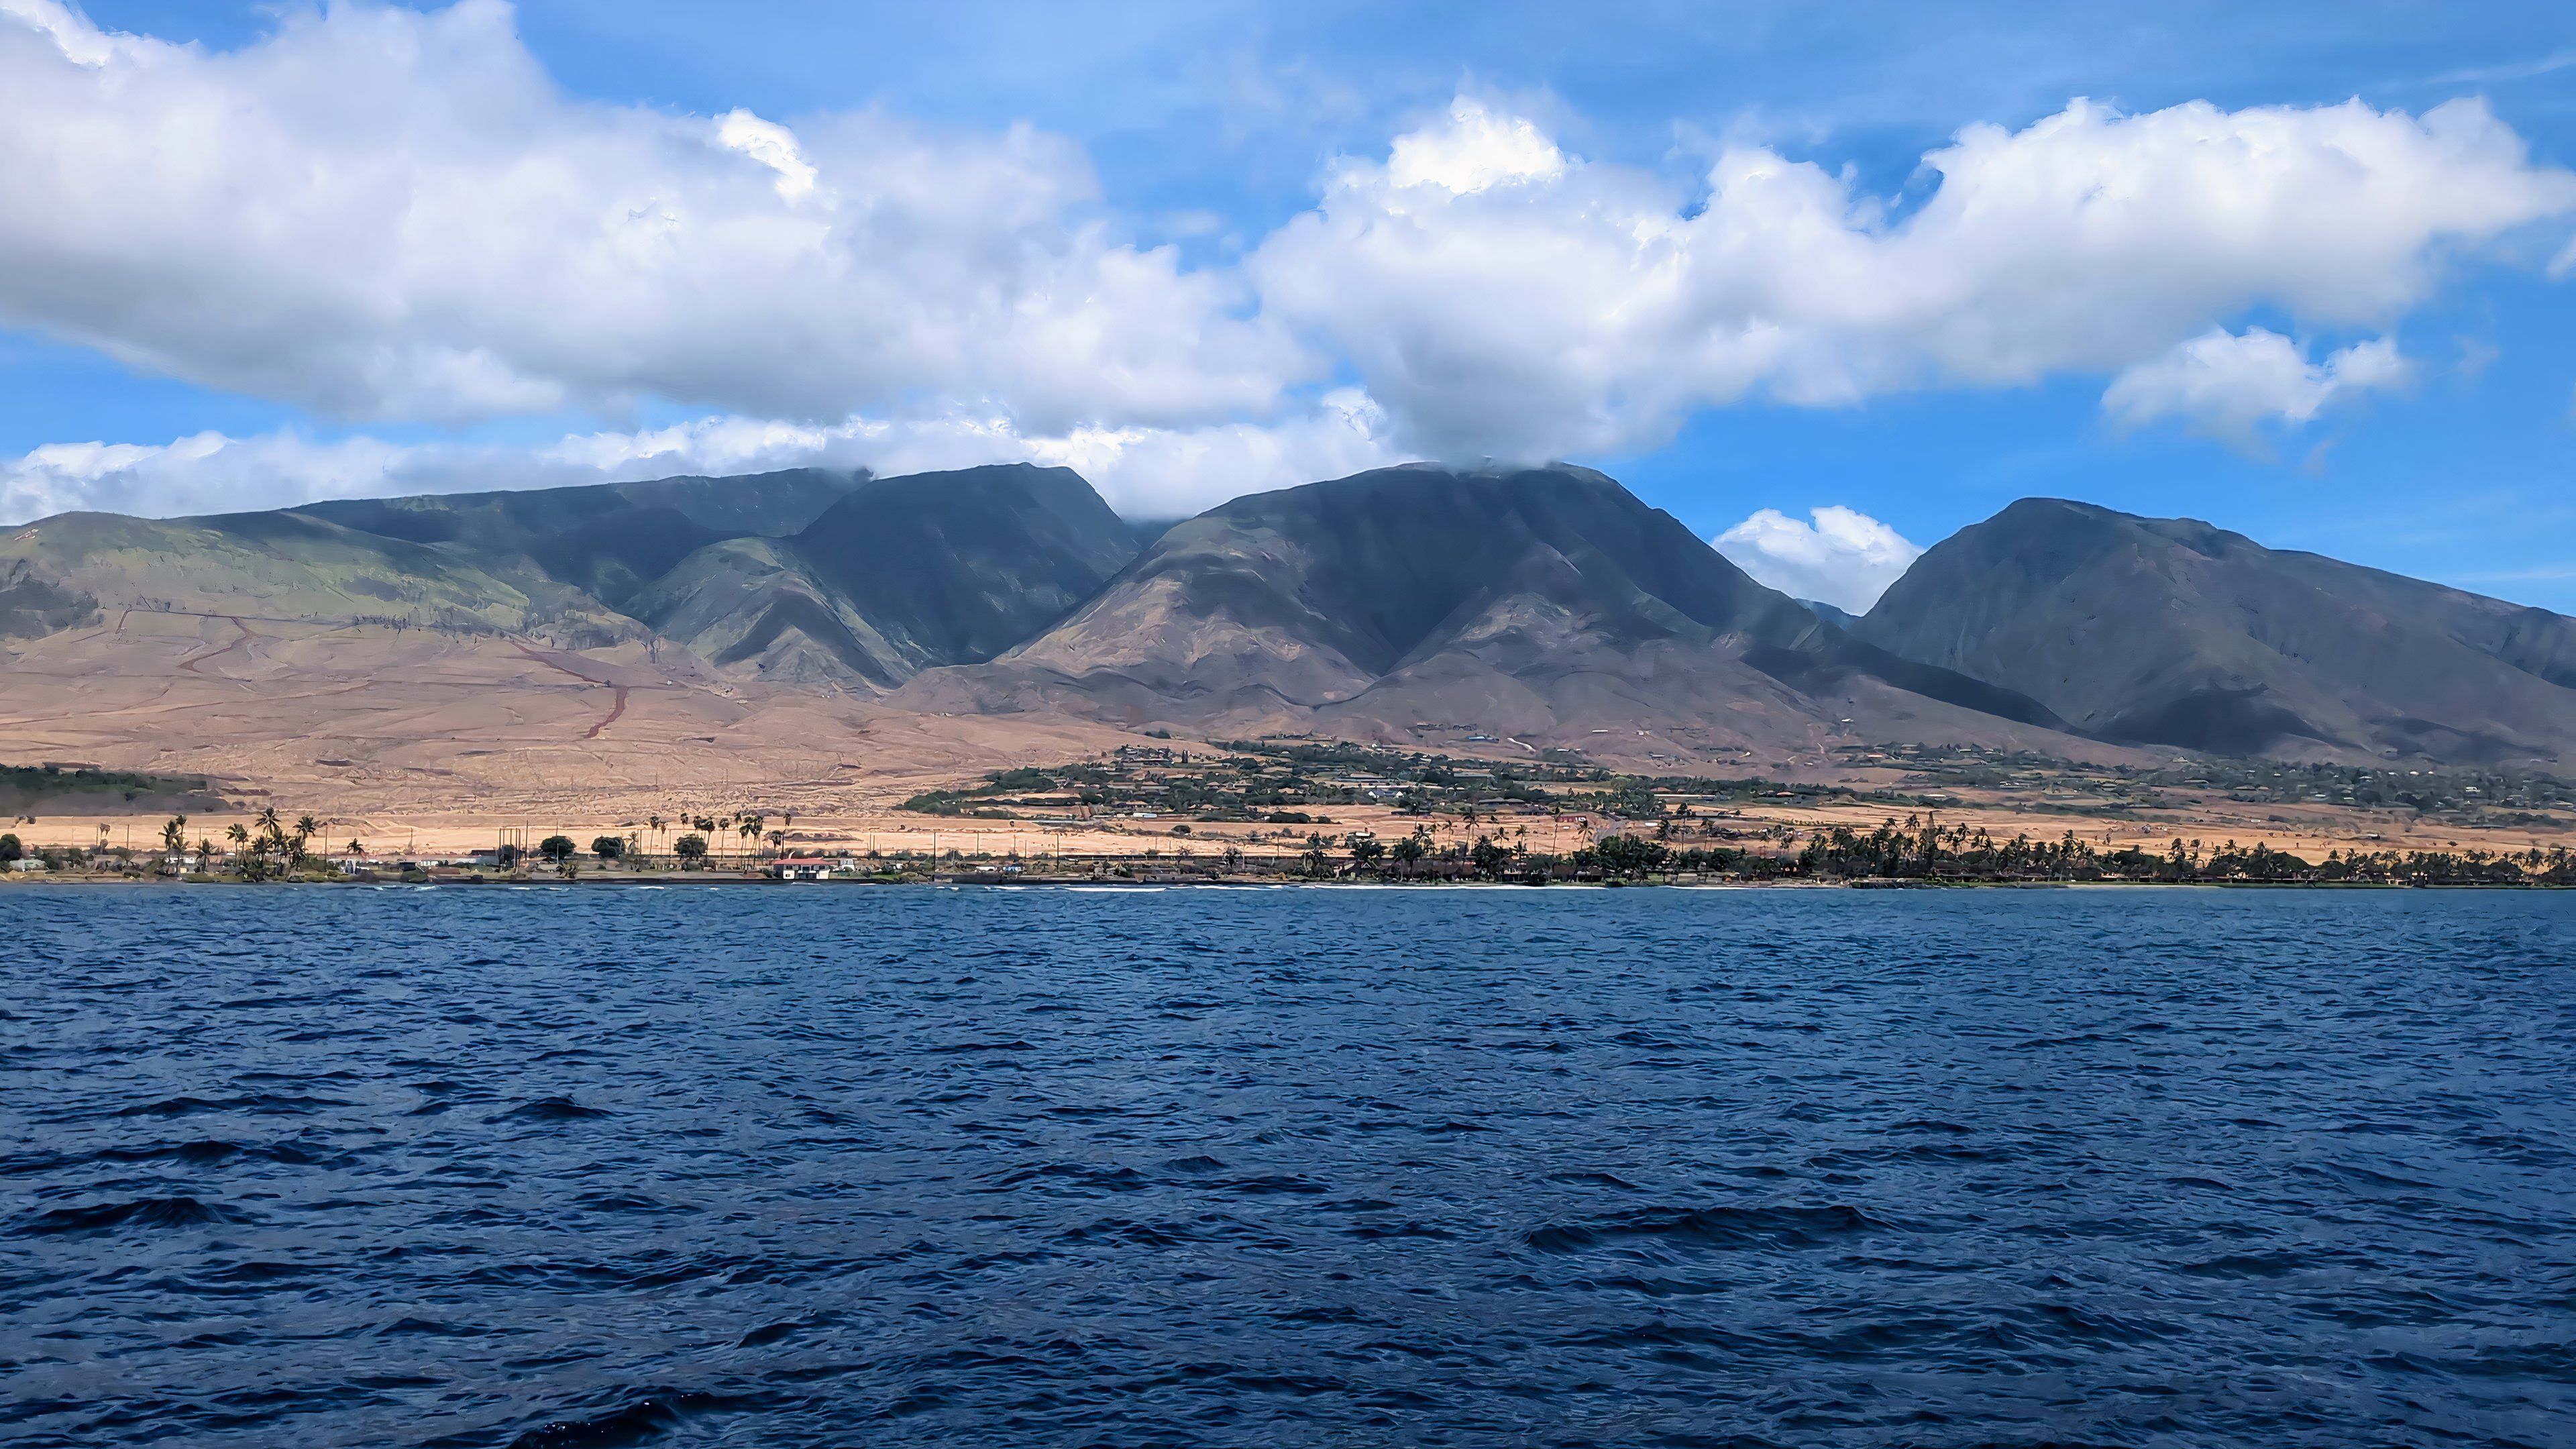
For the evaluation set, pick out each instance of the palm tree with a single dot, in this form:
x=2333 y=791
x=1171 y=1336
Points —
x=236 y=834
x=1408 y=849
x=174 y=836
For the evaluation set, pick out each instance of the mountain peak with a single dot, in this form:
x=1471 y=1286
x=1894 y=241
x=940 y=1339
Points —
x=2173 y=631
x=1533 y=603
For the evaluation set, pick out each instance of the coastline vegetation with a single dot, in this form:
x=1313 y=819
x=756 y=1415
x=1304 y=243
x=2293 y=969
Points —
x=1554 y=818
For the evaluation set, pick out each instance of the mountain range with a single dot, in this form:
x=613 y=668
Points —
x=1527 y=608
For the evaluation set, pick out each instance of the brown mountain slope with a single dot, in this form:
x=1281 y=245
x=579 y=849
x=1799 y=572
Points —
x=1543 y=606
x=2170 y=631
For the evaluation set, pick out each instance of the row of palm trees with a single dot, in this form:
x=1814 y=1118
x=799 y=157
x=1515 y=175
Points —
x=265 y=846
x=748 y=825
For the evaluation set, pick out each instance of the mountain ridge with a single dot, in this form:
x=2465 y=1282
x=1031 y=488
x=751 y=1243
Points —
x=1531 y=602
x=2176 y=632
x=1538 y=606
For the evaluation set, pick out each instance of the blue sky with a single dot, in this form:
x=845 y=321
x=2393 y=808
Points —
x=1214 y=129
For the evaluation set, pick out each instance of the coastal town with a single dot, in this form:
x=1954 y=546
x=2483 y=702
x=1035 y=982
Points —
x=1305 y=810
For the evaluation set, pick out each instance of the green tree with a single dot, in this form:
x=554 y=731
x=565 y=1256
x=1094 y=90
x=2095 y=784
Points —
x=691 y=848
x=1488 y=858
x=1628 y=855
x=608 y=847
x=1315 y=861
x=1410 y=850
x=557 y=848
x=1366 y=851
x=12 y=850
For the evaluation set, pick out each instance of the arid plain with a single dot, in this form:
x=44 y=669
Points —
x=415 y=742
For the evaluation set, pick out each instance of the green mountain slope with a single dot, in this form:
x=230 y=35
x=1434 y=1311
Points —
x=900 y=575
x=802 y=577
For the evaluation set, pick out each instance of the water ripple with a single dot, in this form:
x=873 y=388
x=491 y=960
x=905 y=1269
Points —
x=821 y=1167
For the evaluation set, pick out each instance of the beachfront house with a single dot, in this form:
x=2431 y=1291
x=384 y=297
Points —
x=809 y=867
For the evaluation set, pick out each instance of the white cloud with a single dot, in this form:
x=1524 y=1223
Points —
x=1590 y=306
x=1845 y=558
x=1476 y=150
x=1143 y=472
x=79 y=41
x=206 y=473
x=380 y=213
x=2226 y=385
x=773 y=146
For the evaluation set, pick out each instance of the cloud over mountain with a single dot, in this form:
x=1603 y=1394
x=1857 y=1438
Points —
x=1844 y=558
x=377 y=214
x=1144 y=472
x=1501 y=297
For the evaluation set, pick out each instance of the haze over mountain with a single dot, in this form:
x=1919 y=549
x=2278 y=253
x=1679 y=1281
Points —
x=2173 y=632
x=561 y=560
x=805 y=577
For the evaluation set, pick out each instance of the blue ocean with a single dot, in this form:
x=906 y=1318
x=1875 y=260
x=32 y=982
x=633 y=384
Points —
x=744 y=1165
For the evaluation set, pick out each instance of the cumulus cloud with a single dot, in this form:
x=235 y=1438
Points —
x=1500 y=297
x=377 y=213
x=380 y=213
x=1143 y=472
x=2227 y=385
x=1476 y=150
x=1844 y=558
x=203 y=473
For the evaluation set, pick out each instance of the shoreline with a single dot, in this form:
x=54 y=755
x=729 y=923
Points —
x=709 y=880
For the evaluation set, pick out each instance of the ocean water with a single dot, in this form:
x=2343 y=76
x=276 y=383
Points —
x=829 y=1166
